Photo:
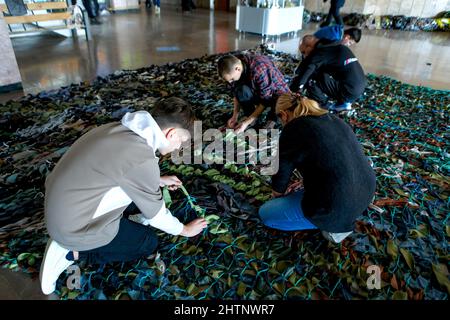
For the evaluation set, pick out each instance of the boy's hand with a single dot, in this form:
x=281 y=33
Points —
x=172 y=182
x=232 y=122
x=243 y=125
x=194 y=227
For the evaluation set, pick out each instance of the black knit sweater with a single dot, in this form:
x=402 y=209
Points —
x=338 y=181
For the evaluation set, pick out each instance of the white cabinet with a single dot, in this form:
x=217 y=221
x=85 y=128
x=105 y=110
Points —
x=265 y=21
x=123 y=4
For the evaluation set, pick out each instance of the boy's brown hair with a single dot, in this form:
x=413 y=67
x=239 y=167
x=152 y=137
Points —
x=226 y=64
x=173 y=112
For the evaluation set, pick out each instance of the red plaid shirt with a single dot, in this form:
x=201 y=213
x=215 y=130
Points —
x=263 y=76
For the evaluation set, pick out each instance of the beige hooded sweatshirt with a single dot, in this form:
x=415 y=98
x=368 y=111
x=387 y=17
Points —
x=99 y=176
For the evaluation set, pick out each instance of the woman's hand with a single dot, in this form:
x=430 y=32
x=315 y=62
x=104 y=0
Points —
x=294 y=187
x=276 y=194
x=172 y=182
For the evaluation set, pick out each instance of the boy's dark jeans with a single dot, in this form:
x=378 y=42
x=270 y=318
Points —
x=132 y=242
x=248 y=101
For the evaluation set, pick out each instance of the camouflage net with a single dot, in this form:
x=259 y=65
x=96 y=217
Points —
x=404 y=131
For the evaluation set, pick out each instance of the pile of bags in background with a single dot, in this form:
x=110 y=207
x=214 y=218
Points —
x=440 y=22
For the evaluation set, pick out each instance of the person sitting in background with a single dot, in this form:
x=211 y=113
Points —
x=256 y=84
x=338 y=181
x=330 y=72
x=101 y=174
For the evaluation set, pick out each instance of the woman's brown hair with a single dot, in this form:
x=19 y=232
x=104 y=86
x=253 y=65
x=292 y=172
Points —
x=301 y=106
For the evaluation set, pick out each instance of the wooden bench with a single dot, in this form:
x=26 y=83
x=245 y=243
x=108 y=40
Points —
x=34 y=18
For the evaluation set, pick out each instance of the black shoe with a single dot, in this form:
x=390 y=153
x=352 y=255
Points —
x=95 y=21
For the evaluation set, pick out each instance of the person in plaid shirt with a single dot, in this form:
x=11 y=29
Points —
x=256 y=83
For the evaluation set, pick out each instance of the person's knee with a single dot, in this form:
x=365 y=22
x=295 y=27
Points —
x=243 y=94
x=150 y=243
x=322 y=78
x=265 y=212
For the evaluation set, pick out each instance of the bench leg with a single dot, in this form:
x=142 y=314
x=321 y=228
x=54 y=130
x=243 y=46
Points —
x=87 y=25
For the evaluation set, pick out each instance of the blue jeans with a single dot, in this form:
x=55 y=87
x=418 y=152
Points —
x=285 y=213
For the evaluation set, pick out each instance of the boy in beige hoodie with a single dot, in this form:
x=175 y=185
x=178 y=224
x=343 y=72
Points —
x=99 y=176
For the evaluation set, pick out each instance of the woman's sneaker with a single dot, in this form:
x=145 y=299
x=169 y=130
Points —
x=53 y=264
x=336 y=237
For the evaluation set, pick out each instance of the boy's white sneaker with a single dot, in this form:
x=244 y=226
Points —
x=336 y=237
x=53 y=264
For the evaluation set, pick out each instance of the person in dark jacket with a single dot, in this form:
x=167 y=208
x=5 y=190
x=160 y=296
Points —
x=330 y=72
x=338 y=180
x=256 y=83
x=335 y=6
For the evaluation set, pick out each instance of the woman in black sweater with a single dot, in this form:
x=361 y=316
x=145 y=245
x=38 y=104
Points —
x=338 y=181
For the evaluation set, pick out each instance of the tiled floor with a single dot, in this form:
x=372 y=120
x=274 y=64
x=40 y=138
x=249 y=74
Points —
x=134 y=40
x=17 y=286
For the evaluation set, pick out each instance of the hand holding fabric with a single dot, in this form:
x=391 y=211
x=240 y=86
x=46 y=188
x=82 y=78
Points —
x=194 y=227
x=242 y=126
x=172 y=182
x=293 y=187
x=232 y=122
